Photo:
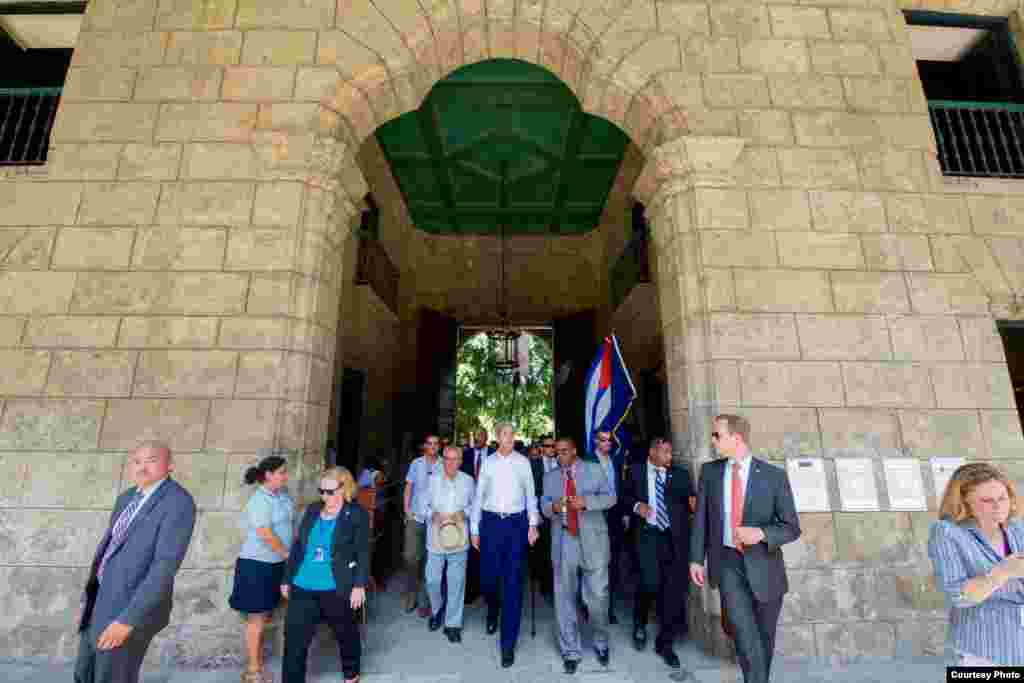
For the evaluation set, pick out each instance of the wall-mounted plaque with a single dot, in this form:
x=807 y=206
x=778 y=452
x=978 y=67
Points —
x=905 y=484
x=857 y=490
x=942 y=470
x=810 y=487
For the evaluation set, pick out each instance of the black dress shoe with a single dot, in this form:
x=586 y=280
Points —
x=639 y=638
x=570 y=665
x=492 y=625
x=508 y=658
x=603 y=656
x=612 y=619
x=666 y=653
x=454 y=635
x=435 y=622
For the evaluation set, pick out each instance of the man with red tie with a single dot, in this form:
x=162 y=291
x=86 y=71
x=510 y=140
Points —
x=575 y=498
x=745 y=514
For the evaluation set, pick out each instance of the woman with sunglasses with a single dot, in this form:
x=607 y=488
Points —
x=326 y=576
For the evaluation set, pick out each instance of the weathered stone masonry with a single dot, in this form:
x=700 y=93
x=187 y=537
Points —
x=176 y=268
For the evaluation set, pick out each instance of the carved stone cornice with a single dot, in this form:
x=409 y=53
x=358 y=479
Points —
x=687 y=162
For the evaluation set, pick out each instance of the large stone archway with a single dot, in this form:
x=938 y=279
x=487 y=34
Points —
x=174 y=270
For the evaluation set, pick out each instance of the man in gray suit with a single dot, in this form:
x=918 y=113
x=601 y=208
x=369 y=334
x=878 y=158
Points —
x=127 y=599
x=575 y=498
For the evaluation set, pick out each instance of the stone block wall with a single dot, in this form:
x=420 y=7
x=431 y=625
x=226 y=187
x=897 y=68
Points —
x=174 y=271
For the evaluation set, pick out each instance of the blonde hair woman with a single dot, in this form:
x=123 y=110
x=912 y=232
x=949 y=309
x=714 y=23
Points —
x=326 y=576
x=975 y=548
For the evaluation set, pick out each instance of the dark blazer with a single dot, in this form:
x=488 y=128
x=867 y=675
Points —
x=138 y=581
x=467 y=460
x=767 y=504
x=350 y=550
x=678 y=489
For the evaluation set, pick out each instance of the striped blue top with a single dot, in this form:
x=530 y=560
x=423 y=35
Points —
x=993 y=629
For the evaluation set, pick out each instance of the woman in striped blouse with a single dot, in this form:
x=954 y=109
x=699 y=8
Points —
x=976 y=549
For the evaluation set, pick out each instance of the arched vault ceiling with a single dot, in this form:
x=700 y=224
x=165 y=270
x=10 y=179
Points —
x=503 y=143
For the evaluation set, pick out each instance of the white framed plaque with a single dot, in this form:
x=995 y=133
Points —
x=810 y=487
x=905 y=484
x=942 y=471
x=857 y=490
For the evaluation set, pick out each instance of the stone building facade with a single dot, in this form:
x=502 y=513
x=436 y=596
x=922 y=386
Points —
x=179 y=267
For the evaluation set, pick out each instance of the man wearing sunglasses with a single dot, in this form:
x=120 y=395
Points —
x=745 y=514
x=612 y=464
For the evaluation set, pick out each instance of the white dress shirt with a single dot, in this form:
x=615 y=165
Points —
x=505 y=487
x=652 y=492
x=549 y=463
x=727 y=495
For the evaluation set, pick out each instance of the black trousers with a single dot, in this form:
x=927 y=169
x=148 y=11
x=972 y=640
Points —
x=617 y=546
x=754 y=621
x=473 y=575
x=306 y=609
x=663 y=581
x=120 y=665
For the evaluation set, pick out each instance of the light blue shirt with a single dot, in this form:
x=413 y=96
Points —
x=420 y=472
x=727 y=495
x=609 y=468
x=994 y=628
x=448 y=496
x=315 y=573
x=266 y=509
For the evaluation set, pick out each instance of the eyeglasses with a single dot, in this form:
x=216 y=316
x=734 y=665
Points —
x=329 y=492
x=602 y=439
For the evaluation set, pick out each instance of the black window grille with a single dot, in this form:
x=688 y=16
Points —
x=31 y=82
x=975 y=98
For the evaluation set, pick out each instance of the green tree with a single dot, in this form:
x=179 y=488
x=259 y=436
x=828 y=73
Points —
x=483 y=397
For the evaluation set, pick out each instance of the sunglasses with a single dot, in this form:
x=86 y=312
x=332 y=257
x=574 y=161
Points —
x=329 y=492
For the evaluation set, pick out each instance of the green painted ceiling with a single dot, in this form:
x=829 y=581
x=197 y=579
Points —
x=503 y=142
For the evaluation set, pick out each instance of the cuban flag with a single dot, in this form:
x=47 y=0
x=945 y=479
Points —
x=609 y=395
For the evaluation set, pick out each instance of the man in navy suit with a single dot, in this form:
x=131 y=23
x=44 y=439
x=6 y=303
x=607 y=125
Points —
x=657 y=494
x=745 y=514
x=127 y=599
x=472 y=460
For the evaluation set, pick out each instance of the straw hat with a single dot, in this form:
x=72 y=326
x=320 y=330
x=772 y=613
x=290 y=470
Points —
x=451 y=535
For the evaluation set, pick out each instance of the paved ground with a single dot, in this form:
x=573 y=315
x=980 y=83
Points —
x=399 y=649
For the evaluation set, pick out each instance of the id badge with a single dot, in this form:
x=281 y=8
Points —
x=318 y=554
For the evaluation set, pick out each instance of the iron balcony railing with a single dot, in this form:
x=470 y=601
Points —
x=979 y=138
x=26 y=119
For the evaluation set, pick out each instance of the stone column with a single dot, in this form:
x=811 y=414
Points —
x=685 y=173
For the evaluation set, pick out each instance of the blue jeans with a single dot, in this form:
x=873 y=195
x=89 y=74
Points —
x=456 y=582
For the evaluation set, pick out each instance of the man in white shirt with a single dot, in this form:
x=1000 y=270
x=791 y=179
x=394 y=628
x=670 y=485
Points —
x=449 y=503
x=414 y=551
x=504 y=520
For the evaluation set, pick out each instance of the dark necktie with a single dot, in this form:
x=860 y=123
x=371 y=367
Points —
x=661 y=514
x=117 y=535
